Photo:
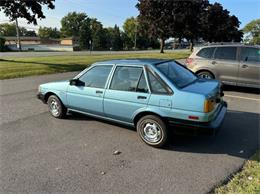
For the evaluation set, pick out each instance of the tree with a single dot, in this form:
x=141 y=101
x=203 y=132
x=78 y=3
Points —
x=97 y=34
x=2 y=44
x=130 y=32
x=48 y=32
x=7 y=29
x=187 y=19
x=77 y=25
x=252 y=31
x=30 y=33
x=117 y=42
x=156 y=15
x=219 y=26
x=30 y=10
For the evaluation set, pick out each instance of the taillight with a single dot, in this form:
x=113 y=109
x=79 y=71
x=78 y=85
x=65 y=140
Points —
x=189 y=61
x=209 y=105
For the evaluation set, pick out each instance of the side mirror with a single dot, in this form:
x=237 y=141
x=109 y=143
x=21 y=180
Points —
x=76 y=82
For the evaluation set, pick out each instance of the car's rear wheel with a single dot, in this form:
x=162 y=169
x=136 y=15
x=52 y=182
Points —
x=152 y=130
x=56 y=108
x=205 y=75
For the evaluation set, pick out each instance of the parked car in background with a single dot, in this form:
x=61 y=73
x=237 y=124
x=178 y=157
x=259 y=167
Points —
x=232 y=64
x=149 y=94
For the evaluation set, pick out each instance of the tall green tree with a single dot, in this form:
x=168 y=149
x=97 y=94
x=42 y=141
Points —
x=9 y=29
x=30 y=10
x=130 y=32
x=97 y=34
x=48 y=32
x=252 y=32
x=219 y=26
x=156 y=15
x=77 y=25
x=116 y=41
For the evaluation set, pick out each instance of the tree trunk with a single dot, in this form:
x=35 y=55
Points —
x=18 y=35
x=162 y=46
x=191 y=45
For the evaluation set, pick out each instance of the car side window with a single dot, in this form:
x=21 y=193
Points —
x=226 y=53
x=250 y=54
x=206 y=52
x=126 y=78
x=155 y=85
x=142 y=85
x=96 y=76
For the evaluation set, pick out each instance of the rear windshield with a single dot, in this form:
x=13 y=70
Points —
x=176 y=73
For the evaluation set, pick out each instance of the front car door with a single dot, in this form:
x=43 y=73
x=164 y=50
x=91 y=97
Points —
x=89 y=97
x=249 y=68
x=127 y=93
x=226 y=64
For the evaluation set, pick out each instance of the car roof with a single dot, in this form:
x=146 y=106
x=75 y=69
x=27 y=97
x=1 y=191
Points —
x=132 y=62
x=230 y=45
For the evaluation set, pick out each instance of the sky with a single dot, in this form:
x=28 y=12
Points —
x=111 y=12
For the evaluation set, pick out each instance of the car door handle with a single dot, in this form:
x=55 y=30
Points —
x=141 y=97
x=244 y=66
x=213 y=62
x=99 y=92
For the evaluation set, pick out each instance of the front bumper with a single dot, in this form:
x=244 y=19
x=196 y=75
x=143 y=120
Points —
x=212 y=127
x=40 y=96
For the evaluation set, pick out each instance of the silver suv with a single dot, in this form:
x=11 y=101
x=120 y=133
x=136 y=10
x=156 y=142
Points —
x=232 y=64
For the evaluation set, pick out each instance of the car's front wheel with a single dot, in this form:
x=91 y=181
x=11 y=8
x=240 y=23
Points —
x=152 y=130
x=56 y=108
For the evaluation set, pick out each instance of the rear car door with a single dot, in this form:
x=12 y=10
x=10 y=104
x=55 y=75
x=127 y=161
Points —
x=249 y=68
x=128 y=92
x=226 y=64
x=89 y=97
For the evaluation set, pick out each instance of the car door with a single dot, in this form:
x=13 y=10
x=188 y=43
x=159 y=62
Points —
x=249 y=67
x=226 y=64
x=89 y=97
x=128 y=92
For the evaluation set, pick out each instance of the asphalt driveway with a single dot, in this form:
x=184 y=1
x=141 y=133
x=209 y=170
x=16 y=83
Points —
x=40 y=154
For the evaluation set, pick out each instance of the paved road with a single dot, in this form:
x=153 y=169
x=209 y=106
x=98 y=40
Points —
x=40 y=154
x=76 y=53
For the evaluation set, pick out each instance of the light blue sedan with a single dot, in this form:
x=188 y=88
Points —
x=149 y=94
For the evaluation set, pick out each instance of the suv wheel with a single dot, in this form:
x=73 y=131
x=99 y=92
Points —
x=205 y=75
x=56 y=108
x=152 y=130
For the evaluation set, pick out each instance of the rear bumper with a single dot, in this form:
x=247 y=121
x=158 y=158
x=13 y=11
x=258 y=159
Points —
x=40 y=96
x=194 y=127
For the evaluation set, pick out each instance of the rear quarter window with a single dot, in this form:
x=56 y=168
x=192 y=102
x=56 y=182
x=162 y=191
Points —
x=206 y=52
x=226 y=53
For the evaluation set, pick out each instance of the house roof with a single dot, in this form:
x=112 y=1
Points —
x=23 y=38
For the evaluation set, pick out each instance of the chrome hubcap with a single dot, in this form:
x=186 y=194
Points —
x=152 y=132
x=54 y=107
x=205 y=76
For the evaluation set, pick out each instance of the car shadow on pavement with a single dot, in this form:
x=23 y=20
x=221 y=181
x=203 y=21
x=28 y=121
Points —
x=239 y=136
x=241 y=89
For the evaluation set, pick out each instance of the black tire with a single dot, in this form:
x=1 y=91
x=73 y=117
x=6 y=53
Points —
x=60 y=111
x=205 y=75
x=154 y=124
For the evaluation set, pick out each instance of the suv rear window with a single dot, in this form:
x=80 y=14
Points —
x=226 y=53
x=206 y=52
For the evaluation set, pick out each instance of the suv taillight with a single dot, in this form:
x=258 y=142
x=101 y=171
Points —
x=189 y=61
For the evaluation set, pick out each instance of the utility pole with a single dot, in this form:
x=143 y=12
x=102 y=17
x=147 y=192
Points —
x=18 y=35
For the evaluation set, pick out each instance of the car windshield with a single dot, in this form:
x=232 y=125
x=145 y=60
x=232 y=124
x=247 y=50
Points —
x=176 y=73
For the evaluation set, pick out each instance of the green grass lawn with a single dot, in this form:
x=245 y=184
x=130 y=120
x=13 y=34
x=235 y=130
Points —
x=247 y=181
x=21 y=67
